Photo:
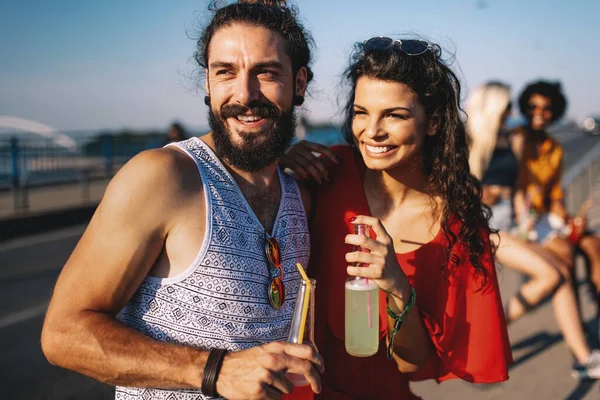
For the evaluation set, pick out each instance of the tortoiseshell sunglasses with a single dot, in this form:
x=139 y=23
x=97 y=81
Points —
x=276 y=291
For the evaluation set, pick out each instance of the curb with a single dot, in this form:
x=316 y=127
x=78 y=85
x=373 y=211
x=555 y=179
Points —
x=15 y=227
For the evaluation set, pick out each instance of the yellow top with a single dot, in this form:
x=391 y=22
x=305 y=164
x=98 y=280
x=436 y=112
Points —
x=540 y=172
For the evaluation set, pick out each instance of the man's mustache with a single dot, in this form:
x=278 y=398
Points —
x=259 y=108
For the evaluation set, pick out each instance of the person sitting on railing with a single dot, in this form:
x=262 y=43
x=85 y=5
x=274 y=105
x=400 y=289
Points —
x=492 y=160
x=539 y=193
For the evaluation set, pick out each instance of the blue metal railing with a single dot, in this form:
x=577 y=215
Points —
x=34 y=162
x=26 y=163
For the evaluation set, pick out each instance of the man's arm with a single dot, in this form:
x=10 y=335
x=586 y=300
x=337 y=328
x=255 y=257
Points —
x=120 y=245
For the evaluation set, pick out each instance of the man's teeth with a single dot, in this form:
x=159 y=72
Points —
x=248 y=118
x=378 y=149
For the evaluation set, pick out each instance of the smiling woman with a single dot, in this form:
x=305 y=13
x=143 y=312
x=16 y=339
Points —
x=405 y=174
x=388 y=124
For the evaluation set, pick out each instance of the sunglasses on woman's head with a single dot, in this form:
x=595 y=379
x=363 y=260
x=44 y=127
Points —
x=276 y=291
x=411 y=47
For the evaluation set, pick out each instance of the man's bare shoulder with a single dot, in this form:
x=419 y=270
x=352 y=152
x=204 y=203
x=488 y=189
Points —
x=161 y=177
x=165 y=168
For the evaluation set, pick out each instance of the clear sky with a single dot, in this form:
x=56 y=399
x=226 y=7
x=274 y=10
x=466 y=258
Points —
x=78 y=64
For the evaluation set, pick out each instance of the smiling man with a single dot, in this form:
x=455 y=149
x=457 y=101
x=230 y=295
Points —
x=197 y=242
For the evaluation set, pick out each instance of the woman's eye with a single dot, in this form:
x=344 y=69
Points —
x=399 y=116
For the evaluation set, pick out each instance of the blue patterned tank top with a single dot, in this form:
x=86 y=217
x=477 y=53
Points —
x=221 y=300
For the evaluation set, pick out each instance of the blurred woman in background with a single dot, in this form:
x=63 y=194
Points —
x=493 y=160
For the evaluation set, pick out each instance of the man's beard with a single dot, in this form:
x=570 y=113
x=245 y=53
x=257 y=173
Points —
x=258 y=149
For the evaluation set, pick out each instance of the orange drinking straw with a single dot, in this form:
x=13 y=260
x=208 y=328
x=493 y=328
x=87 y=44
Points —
x=305 y=304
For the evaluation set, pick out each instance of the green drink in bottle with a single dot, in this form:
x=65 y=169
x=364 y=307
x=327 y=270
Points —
x=361 y=312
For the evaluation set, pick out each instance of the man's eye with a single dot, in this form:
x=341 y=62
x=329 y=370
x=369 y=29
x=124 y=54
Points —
x=223 y=72
x=268 y=73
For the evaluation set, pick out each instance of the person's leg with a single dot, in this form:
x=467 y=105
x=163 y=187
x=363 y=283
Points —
x=565 y=308
x=561 y=248
x=590 y=245
x=544 y=279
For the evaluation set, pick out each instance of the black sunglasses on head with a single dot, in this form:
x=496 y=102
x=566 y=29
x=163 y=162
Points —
x=411 y=47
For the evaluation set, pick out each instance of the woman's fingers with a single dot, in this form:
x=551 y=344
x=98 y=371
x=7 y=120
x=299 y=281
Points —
x=364 y=242
x=361 y=257
x=311 y=164
x=376 y=225
x=297 y=171
x=321 y=149
x=316 y=162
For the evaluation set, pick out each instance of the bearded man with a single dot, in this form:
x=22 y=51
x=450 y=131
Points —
x=197 y=242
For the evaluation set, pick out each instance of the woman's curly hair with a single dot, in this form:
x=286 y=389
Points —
x=551 y=90
x=446 y=154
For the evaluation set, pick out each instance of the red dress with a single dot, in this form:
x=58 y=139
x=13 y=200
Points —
x=464 y=320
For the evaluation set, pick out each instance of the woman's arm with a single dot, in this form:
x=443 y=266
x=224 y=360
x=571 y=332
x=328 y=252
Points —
x=412 y=346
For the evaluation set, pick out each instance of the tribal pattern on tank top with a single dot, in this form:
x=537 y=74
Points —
x=221 y=300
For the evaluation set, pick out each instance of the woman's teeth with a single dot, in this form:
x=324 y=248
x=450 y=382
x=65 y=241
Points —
x=248 y=118
x=378 y=149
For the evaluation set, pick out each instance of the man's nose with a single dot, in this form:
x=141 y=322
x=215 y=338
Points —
x=247 y=89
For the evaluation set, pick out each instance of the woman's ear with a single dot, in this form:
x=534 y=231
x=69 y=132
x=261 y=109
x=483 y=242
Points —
x=432 y=126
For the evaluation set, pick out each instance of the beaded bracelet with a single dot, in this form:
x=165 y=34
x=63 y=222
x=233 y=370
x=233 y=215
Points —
x=398 y=319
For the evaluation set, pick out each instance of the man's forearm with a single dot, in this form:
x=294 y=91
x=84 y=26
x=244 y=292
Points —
x=101 y=347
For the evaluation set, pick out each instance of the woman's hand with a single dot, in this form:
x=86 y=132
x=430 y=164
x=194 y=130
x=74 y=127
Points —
x=381 y=263
x=308 y=160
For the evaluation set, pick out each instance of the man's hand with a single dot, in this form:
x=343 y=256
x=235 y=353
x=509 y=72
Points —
x=259 y=372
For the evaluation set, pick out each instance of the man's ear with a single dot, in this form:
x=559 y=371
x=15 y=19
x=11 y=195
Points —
x=206 y=83
x=301 y=81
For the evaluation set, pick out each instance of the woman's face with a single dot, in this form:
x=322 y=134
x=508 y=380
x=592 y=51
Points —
x=389 y=124
x=539 y=110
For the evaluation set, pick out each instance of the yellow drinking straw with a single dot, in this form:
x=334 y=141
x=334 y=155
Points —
x=305 y=304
